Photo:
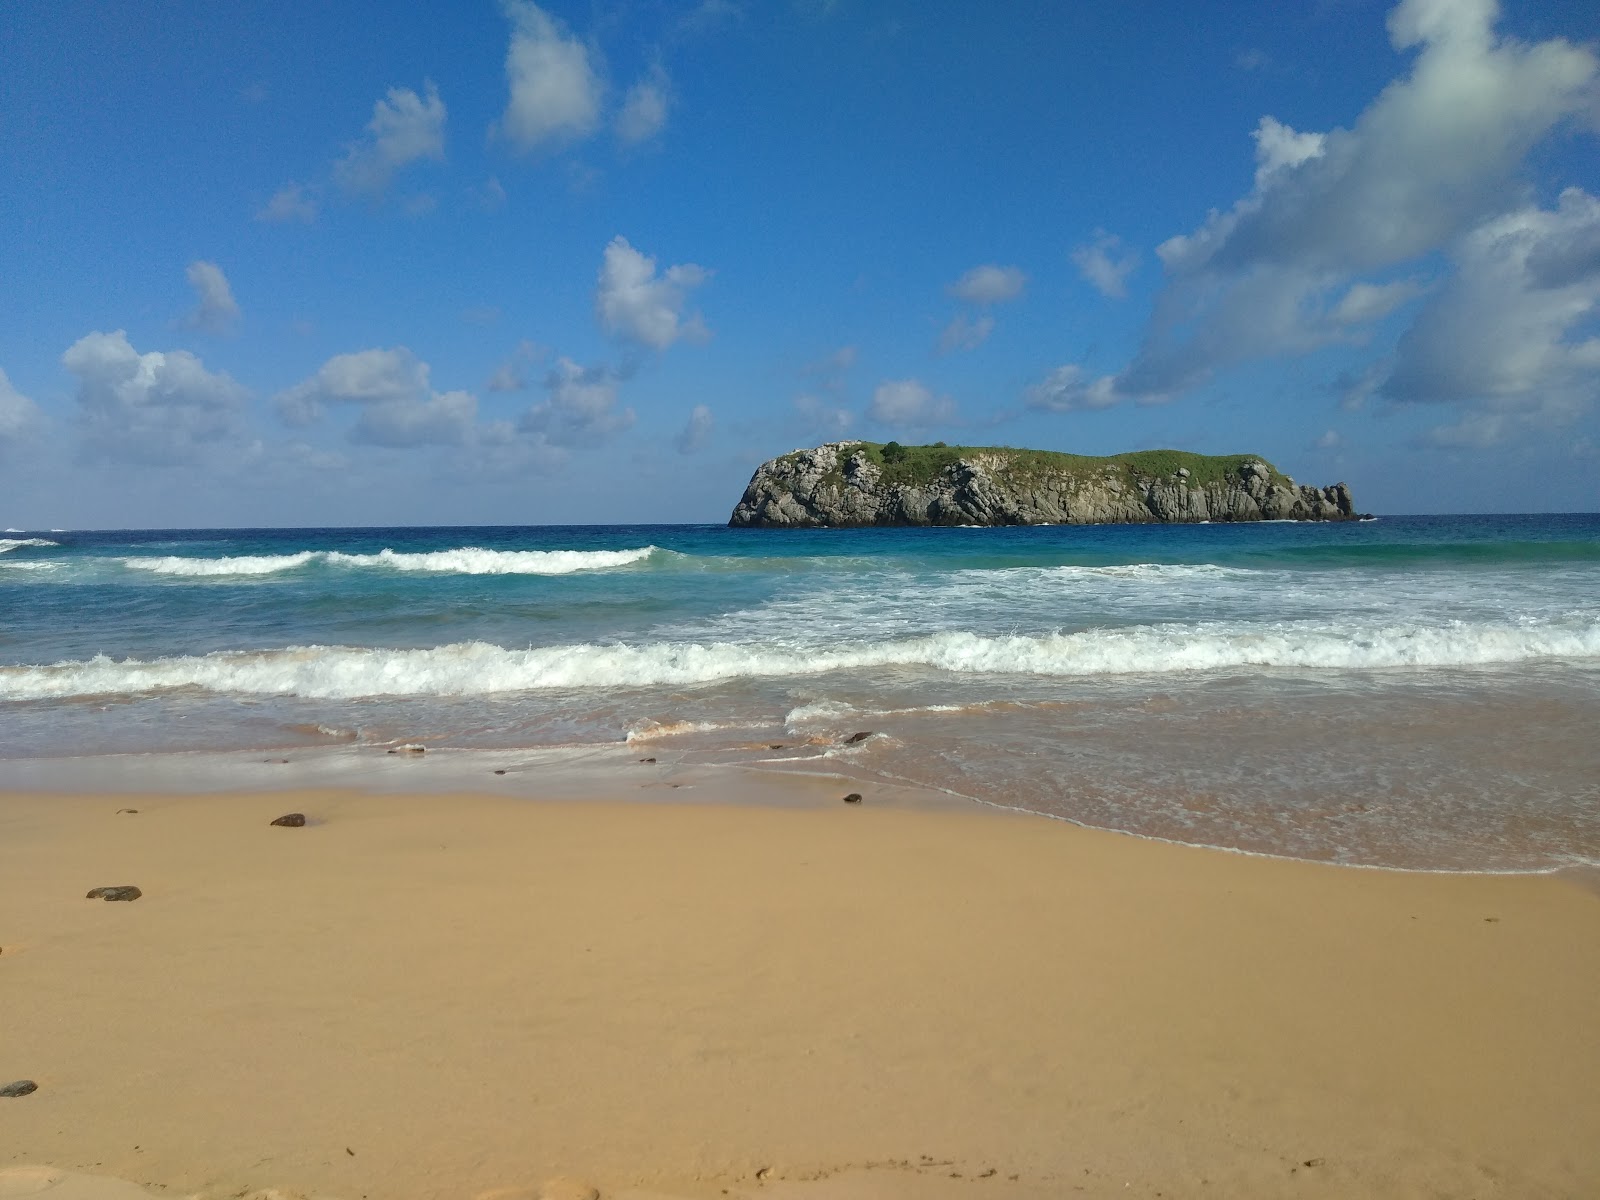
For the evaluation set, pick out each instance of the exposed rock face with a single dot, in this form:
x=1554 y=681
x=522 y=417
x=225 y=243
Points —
x=842 y=484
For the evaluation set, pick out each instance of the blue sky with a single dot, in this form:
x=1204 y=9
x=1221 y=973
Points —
x=466 y=262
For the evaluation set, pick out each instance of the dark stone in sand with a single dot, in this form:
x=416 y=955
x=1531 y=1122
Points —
x=409 y=750
x=291 y=820
x=120 y=811
x=776 y=746
x=125 y=892
x=853 y=798
x=274 y=760
x=857 y=737
x=19 y=1087
x=647 y=760
x=501 y=771
x=1313 y=1162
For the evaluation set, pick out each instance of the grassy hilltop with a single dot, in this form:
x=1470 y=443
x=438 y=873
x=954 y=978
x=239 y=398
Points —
x=917 y=466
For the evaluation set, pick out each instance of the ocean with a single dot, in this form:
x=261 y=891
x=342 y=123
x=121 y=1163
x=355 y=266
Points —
x=1417 y=692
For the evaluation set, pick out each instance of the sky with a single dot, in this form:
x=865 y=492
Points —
x=499 y=262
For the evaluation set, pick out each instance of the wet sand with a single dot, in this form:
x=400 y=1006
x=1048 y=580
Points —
x=464 y=996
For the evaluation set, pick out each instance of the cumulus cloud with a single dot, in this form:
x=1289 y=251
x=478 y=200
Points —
x=392 y=391
x=291 y=202
x=555 y=91
x=989 y=284
x=696 y=431
x=908 y=403
x=512 y=374
x=644 y=110
x=1365 y=303
x=405 y=128
x=636 y=304
x=159 y=408
x=18 y=414
x=964 y=333
x=215 y=310
x=581 y=408
x=1505 y=334
x=824 y=416
x=1069 y=388
x=1105 y=265
x=1435 y=156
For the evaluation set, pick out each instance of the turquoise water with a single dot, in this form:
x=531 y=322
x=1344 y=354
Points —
x=1410 y=691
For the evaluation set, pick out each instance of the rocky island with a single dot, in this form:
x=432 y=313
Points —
x=851 y=484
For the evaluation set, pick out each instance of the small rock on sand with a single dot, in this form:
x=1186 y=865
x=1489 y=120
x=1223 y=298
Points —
x=853 y=798
x=19 y=1087
x=120 y=811
x=124 y=892
x=858 y=737
x=291 y=820
x=647 y=760
x=410 y=749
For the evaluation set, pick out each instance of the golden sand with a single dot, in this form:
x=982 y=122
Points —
x=468 y=997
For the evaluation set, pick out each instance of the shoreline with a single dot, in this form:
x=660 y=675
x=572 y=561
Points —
x=475 y=995
x=578 y=773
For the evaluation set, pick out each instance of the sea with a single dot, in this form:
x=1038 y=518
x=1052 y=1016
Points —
x=1408 y=692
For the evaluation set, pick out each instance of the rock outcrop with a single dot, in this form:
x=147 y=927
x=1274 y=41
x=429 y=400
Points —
x=847 y=484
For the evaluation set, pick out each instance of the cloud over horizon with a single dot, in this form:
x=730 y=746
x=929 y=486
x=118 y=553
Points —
x=1289 y=267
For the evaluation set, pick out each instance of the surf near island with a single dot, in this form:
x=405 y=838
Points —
x=577 y=908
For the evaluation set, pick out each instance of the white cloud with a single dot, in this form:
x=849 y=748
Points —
x=405 y=128
x=1368 y=302
x=1100 y=262
x=491 y=197
x=644 y=110
x=1435 y=155
x=216 y=309
x=158 y=408
x=965 y=334
x=581 y=409
x=1279 y=148
x=291 y=202
x=555 y=92
x=989 y=284
x=397 y=404
x=512 y=374
x=1505 y=334
x=696 y=432
x=18 y=414
x=634 y=303
x=832 y=420
x=906 y=402
x=1328 y=440
x=1068 y=389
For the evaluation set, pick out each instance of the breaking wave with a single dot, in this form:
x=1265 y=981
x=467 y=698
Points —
x=17 y=543
x=468 y=560
x=479 y=668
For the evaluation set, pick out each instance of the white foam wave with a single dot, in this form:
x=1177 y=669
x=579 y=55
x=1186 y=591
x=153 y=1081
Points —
x=242 y=564
x=477 y=668
x=467 y=560
x=16 y=543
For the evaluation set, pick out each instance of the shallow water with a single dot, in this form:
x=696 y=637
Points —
x=1407 y=692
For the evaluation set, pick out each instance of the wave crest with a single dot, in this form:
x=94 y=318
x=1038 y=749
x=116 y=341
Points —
x=17 y=543
x=478 y=668
x=467 y=560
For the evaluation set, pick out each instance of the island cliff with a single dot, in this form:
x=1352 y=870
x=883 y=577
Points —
x=844 y=484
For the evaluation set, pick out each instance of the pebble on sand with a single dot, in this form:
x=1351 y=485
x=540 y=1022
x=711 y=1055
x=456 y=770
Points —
x=409 y=749
x=291 y=820
x=19 y=1087
x=123 y=892
x=858 y=737
x=853 y=798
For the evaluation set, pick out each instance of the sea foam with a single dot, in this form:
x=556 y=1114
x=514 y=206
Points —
x=479 y=668
x=467 y=560
x=17 y=543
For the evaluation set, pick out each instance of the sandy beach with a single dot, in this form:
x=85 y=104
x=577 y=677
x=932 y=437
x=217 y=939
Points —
x=418 y=997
